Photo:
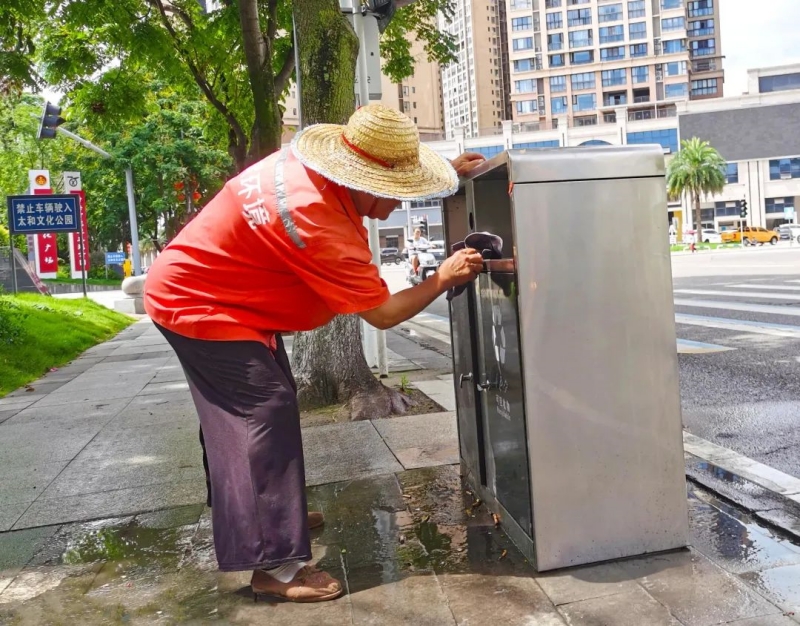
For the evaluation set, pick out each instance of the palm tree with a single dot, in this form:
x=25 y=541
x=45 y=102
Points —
x=697 y=170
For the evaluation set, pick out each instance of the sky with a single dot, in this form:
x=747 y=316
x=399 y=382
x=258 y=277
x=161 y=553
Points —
x=757 y=33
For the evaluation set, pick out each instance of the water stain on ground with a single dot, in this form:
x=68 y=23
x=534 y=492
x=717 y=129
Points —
x=143 y=570
x=387 y=538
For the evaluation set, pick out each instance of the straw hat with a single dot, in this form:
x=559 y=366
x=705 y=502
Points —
x=378 y=152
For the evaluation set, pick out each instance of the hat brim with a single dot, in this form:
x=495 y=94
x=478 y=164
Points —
x=322 y=149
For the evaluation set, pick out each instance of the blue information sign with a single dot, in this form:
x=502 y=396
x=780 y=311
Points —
x=115 y=258
x=28 y=215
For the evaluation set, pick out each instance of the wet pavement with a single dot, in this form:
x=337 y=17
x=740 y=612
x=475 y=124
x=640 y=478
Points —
x=411 y=548
x=101 y=501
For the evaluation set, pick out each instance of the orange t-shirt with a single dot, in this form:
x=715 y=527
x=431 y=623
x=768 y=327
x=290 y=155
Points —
x=279 y=249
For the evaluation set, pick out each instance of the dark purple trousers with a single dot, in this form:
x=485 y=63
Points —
x=246 y=399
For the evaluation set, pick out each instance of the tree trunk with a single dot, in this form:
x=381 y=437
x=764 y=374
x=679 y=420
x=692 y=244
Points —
x=328 y=363
x=698 y=228
x=266 y=134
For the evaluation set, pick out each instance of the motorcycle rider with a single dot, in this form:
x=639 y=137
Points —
x=418 y=243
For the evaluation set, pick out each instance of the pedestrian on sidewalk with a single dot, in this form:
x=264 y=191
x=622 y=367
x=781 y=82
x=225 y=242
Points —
x=282 y=248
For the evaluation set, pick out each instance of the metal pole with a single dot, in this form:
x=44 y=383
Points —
x=83 y=258
x=137 y=261
x=13 y=264
x=361 y=68
x=297 y=79
x=375 y=340
x=84 y=142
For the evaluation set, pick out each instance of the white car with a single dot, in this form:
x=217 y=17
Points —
x=711 y=236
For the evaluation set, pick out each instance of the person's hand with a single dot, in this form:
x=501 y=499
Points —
x=462 y=267
x=467 y=162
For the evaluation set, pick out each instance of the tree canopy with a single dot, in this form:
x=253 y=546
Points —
x=697 y=170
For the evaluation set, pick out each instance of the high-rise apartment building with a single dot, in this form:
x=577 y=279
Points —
x=584 y=59
x=474 y=89
x=419 y=96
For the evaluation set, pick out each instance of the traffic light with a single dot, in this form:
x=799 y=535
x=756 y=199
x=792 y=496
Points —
x=423 y=226
x=383 y=10
x=51 y=119
x=743 y=209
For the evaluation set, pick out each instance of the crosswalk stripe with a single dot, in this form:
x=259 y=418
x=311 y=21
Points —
x=745 y=326
x=738 y=306
x=735 y=294
x=768 y=287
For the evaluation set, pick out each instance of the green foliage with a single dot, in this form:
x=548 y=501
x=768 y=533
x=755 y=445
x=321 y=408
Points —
x=12 y=322
x=419 y=19
x=18 y=19
x=697 y=170
x=49 y=332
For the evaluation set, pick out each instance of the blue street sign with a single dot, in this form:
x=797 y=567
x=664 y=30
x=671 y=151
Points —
x=115 y=258
x=28 y=215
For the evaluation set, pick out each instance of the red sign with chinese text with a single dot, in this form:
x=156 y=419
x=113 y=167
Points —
x=46 y=249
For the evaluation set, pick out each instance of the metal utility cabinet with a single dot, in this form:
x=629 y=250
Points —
x=564 y=354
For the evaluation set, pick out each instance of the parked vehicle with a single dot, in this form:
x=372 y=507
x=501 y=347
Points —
x=711 y=236
x=750 y=236
x=789 y=231
x=391 y=255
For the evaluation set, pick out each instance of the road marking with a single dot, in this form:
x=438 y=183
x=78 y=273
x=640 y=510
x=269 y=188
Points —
x=736 y=294
x=745 y=326
x=685 y=346
x=758 y=473
x=762 y=286
x=738 y=306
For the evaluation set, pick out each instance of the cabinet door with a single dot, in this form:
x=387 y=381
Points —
x=500 y=388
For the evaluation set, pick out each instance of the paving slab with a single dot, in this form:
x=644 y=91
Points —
x=135 y=500
x=697 y=592
x=20 y=446
x=585 y=583
x=440 y=391
x=417 y=600
x=108 y=474
x=781 y=584
x=421 y=440
x=8 y=414
x=769 y=620
x=102 y=410
x=27 y=482
x=97 y=394
x=18 y=548
x=631 y=608
x=515 y=601
x=19 y=402
x=10 y=513
x=348 y=451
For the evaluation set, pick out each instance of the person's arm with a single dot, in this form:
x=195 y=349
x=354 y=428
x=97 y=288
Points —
x=462 y=267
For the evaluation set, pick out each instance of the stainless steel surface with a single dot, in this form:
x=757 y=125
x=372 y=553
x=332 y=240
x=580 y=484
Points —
x=601 y=375
x=567 y=164
x=564 y=352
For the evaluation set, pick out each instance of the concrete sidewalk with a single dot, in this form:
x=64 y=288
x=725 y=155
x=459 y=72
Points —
x=101 y=504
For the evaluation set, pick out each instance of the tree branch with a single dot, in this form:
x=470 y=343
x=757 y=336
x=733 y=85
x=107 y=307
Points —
x=272 y=27
x=200 y=79
x=285 y=73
